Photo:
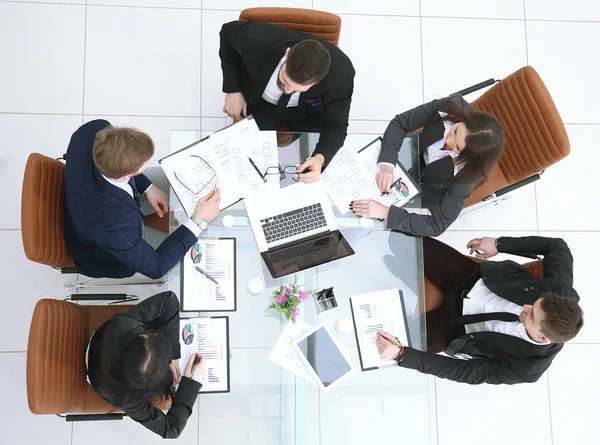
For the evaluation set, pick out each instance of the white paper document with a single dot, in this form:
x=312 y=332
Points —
x=209 y=338
x=216 y=257
x=221 y=160
x=283 y=353
x=351 y=175
x=374 y=312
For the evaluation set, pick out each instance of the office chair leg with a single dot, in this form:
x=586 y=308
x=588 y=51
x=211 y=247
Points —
x=483 y=205
x=93 y=417
x=88 y=282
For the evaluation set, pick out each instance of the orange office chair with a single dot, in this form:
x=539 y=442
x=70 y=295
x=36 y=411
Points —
x=56 y=373
x=320 y=24
x=535 y=137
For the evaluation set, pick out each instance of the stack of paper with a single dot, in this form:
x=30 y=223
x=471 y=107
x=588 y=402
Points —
x=222 y=160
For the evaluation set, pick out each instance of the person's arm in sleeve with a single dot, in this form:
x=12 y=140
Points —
x=142 y=183
x=432 y=225
x=558 y=260
x=335 y=122
x=171 y=424
x=474 y=371
x=230 y=52
x=412 y=120
x=125 y=242
x=161 y=312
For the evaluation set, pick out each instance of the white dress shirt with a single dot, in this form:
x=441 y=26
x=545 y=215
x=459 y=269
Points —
x=273 y=93
x=436 y=150
x=481 y=300
x=191 y=225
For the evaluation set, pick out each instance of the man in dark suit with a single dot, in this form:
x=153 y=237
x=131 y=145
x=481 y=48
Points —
x=281 y=75
x=102 y=209
x=496 y=322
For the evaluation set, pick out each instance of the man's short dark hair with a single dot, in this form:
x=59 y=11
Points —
x=307 y=62
x=563 y=317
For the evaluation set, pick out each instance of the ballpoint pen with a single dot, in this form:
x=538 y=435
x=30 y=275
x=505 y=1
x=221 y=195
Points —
x=207 y=275
x=257 y=170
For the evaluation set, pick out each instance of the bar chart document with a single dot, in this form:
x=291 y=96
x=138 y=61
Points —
x=209 y=258
x=374 y=312
x=208 y=337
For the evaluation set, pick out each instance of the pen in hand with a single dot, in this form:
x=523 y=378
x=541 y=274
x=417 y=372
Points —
x=257 y=170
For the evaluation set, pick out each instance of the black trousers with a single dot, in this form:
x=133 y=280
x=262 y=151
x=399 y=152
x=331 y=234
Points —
x=452 y=272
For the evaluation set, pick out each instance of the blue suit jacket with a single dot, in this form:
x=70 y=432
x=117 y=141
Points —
x=103 y=224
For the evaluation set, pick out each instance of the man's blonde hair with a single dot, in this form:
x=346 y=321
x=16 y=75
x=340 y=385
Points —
x=121 y=151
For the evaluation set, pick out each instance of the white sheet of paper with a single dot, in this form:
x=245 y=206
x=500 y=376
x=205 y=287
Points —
x=262 y=148
x=216 y=258
x=207 y=337
x=351 y=175
x=284 y=355
x=374 y=312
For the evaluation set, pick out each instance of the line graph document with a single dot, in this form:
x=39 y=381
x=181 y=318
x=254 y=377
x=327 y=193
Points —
x=209 y=338
x=374 y=312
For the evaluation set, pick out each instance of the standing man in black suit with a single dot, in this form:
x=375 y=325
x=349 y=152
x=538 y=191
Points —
x=496 y=322
x=280 y=75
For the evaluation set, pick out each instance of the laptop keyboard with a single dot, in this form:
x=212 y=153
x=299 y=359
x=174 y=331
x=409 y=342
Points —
x=293 y=223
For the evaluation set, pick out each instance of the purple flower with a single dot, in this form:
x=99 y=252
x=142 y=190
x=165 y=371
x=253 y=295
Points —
x=281 y=300
x=295 y=312
x=302 y=295
x=288 y=290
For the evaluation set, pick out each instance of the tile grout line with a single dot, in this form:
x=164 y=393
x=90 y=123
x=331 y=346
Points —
x=72 y=426
x=421 y=41
x=550 y=409
x=201 y=82
x=525 y=23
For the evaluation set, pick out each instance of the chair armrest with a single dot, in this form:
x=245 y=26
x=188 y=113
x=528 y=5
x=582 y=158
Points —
x=102 y=297
x=476 y=87
x=68 y=270
x=92 y=417
x=512 y=187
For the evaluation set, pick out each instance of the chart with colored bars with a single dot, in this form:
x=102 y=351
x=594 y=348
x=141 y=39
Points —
x=216 y=258
x=207 y=337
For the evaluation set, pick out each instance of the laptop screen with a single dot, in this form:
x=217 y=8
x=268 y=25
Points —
x=306 y=253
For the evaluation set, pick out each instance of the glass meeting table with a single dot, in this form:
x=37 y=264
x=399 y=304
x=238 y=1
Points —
x=268 y=404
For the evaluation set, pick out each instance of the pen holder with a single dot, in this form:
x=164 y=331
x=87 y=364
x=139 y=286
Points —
x=325 y=300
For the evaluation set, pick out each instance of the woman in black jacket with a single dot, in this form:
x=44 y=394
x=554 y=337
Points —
x=134 y=357
x=459 y=147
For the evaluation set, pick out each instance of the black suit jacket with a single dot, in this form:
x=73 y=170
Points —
x=250 y=52
x=495 y=357
x=157 y=313
x=440 y=188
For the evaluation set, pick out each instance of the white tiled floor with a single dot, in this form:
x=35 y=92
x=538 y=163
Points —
x=154 y=64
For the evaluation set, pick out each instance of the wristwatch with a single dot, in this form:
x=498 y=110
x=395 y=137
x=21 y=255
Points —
x=200 y=222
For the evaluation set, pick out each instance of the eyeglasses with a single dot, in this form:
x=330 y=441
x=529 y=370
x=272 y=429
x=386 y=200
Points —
x=277 y=170
x=198 y=187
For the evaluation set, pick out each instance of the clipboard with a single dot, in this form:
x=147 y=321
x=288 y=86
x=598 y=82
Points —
x=360 y=352
x=184 y=336
x=185 y=269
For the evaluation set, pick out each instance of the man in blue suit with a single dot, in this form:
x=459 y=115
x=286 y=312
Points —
x=102 y=212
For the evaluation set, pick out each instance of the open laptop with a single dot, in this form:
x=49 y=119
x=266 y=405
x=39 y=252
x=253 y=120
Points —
x=295 y=228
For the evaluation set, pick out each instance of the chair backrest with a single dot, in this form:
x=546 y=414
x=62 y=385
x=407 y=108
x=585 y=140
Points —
x=320 y=24
x=42 y=212
x=56 y=373
x=535 y=136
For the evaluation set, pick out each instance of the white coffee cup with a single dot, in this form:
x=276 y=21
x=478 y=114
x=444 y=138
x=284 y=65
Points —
x=344 y=326
x=255 y=286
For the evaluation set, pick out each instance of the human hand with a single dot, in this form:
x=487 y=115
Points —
x=176 y=371
x=385 y=178
x=158 y=200
x=195 y=367
x=484 y=247
x=314 y=165
x=387 y=345
x=208 y=207
x=235 y=106
x=370 y=208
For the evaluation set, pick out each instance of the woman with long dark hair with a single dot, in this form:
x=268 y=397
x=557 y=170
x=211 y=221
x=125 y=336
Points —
x=133 y=359
x=459 y=147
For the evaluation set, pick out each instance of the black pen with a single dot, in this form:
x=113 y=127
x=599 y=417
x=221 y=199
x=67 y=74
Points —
x=207 y=275
x=257 y=170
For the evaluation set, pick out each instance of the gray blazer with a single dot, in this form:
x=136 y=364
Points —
x=440 y=188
